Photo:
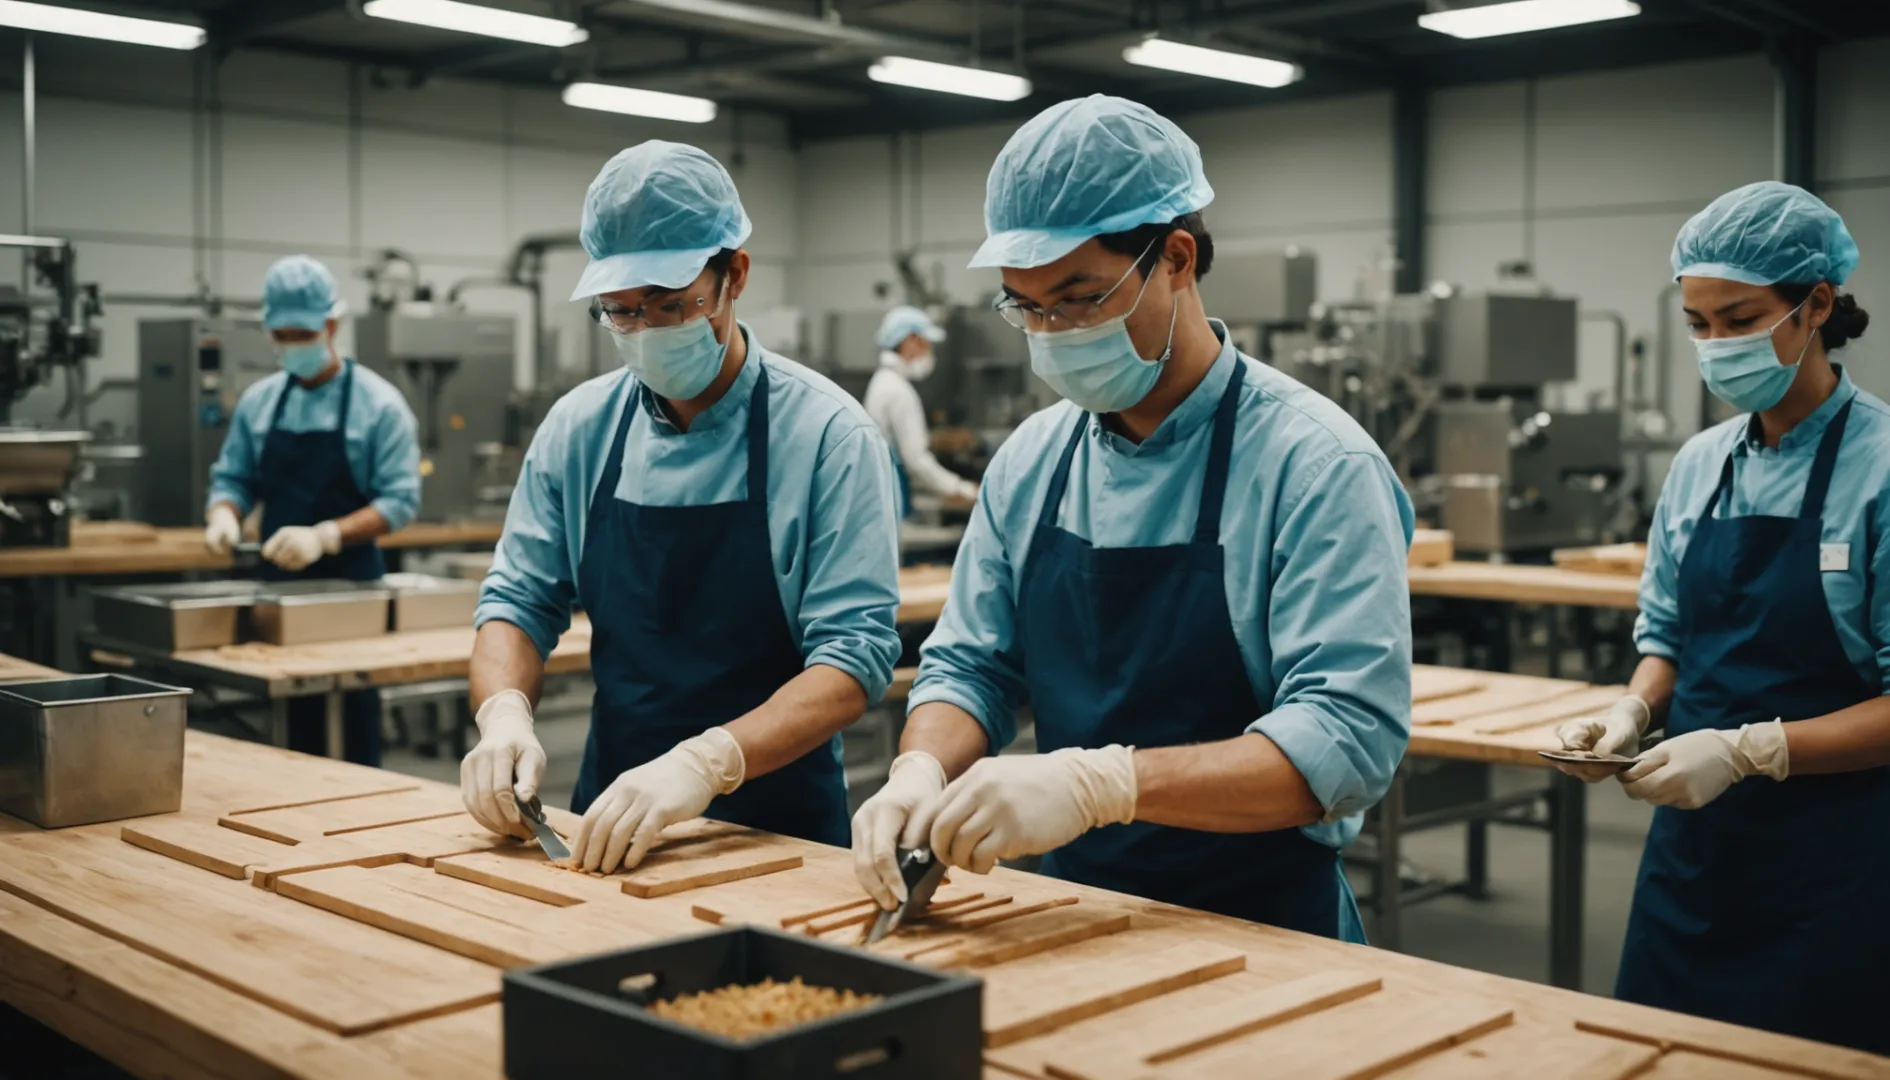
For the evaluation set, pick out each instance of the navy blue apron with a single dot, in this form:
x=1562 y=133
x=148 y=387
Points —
x=905 y=487
x=687 y=633
x=303 y=478
x=1767 y=907
x=1136 y=646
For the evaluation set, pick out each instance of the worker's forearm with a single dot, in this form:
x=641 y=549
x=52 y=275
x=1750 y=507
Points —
x=1239 y=785
x=946 y=732
x=504 y=658
x=1653 y=683
x=234 y=509
x=362 y=526
x=797 y=719
x=1849 y=740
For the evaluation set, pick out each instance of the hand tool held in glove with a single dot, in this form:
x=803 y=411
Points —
x=922 y=872
x=534 y=814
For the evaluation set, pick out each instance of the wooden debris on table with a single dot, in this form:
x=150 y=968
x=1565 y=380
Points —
x=1627 y=559
x=743 y=1012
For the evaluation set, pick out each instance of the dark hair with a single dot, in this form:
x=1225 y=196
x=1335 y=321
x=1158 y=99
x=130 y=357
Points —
x=719 y=262
x=1142 y=238
x=1847 y=322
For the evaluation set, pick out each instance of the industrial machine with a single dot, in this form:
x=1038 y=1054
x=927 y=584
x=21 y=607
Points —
x=37 y=336
x=191 y=371
x=1256 y=293
x=36 y=474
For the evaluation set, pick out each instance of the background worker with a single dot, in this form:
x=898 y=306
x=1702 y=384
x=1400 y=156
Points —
x=906 y=336
x=328 y=448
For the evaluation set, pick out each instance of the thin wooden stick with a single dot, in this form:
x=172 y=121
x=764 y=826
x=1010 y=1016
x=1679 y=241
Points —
x=810 y=916
x=1007 y=914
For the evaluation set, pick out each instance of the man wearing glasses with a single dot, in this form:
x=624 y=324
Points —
x=725 y=517
x=1193 y=568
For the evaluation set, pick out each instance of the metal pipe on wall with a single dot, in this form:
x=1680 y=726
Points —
x=29 y=152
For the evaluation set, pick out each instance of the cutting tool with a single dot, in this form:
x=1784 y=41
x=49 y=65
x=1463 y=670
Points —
x=922 y=872
x=548 y=839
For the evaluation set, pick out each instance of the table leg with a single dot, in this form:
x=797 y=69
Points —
x=1476 y=860
x=1387 y=883
x=1554 y=617
x=1568 y=839
x=333 y=746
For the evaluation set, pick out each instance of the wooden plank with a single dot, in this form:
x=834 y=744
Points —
x=356 y=893
x=1035 y=996
x=244 y=939
x=387 y=790
x=1500 y=693
x=338 y=817
x=1127 y=1053
x=1628 y=559
x=205 y=844
x=1683 y=1065
x=1040 y=933
x=1002 y=914
x=1598 y=699
x=710 y=862
x=1431 y=547
x=1367 y=1038
x=1672 y=1031
x=526 y=872
x=1525 y=585
x=14 y=669
x=451 y=1047
x=789 y=921
x=1539 y=1052
x=1430 y=683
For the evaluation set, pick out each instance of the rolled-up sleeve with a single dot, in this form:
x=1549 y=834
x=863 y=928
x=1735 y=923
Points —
x=1339 y=622
x=850 y=600
x=233 y=477
x=532 y=583
x=396 y=465
x=1657 y=627
x=973 y=659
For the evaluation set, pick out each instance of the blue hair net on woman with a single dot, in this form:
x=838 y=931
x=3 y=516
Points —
x=1766 y=234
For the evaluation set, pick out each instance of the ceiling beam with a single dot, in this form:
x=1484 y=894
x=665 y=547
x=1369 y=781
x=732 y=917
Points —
x=772 y=24
x=242 y=23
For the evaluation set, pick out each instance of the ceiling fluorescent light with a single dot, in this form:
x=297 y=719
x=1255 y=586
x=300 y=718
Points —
x=92 y=24
x=478 y=19
x=632 y=102
x=949 y=78
x=1522 y=16
x=1213 y=63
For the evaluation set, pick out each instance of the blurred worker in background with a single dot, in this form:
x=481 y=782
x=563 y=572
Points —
x=1765 y=650
x=906 y=336
x=1193 y=568
x=328 y=449
x=723 y=514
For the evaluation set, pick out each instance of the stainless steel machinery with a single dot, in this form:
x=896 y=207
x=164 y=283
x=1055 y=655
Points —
x=1258 y=291
x=36 y=474
x=191 y=371
x=455 y=369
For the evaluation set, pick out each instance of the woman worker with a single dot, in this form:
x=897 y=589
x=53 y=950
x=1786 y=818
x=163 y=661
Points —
x=1765 y=882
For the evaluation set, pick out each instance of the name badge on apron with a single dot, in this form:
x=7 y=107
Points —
x=1834 y=558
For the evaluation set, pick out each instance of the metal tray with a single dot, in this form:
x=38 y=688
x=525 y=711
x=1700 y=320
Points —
x=425 y=602
x=308 y=612
x=92 y=748
x=189 y=615
x=35 y=462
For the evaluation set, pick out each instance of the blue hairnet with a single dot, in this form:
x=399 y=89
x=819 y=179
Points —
x=1084 y=168
x=1766 y=234
x=299 y=293
x=901 y=323
x=654 y=216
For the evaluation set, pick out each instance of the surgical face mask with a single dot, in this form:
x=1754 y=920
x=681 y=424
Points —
x=677 y=362
x=306 y=360
x=917 y=370
x=1744 y=371
x=1097 y=367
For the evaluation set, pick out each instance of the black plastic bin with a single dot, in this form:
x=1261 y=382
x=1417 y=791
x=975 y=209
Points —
x=571 y=1019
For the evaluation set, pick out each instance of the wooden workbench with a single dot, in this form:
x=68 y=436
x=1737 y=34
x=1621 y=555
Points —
x=128 y=548
x=203 y=944
x=1526 y=585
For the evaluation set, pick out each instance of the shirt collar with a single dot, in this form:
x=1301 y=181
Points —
x=1811 y=428
x=1196 y=409
x=892 y=361
x=731 y=405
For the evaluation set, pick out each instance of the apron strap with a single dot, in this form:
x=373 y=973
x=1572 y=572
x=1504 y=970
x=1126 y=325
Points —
x=1207 y=525
x=1824 y=464
x=758 y=436
x=289 y=385
x=347 y=396
x=613 y=462
x=1059 y=480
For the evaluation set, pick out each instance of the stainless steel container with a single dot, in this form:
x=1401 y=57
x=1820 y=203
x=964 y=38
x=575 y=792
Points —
x=91 y=748
x=190 y=615
x=34 y=462
x=425 y=602
x=307 y=612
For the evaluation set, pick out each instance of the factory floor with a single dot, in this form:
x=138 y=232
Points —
x=1506 y=934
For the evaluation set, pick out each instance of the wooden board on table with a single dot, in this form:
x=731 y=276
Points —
x=1012 y=939
x=1590 y=701
x=339 y=817
x=1606 y=559
x=1046 y=991
x=451 y=1047
x=14 y=669
x=389 y=659
x=1500 y=693
x=680 y=868
x=1369 y=1037
x=1430 y=683
x=1137 y=1040
x=1537 y=1051
x=87 y=534
x=286 y=956
x=203 y=843
x=419 y=843
x=1515 y=584
x=1431 y=547
x=1684 y=1065
x=1671 y=1032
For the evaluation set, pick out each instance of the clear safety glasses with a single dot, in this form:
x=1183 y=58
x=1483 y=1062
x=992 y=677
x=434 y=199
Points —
x=671 y=309
x=1073 y=312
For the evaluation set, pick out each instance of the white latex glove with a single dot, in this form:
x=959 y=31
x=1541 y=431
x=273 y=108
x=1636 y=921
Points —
x=297 y=547
x=891 y=820
x=505 y=768
x=1027 y=804
x=1617 y=733
x=634 y=810
x=1688 y=771
x=223 y=531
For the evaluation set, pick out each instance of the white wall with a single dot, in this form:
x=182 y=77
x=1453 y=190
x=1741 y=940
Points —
x=313 y=157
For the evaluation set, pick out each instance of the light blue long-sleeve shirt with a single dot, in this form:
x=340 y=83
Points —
x=1772 y=483
x=831 y=519
x=1316 y=530
x=383 y=451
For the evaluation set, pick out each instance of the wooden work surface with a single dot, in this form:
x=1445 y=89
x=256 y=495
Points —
x=206 y=944
x=1496 y=718
x=14 y=669
x=1526 y=585
x=111 y=547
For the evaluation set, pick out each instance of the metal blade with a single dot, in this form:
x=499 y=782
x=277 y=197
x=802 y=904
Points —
x=922 y=873
x=548 y=839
